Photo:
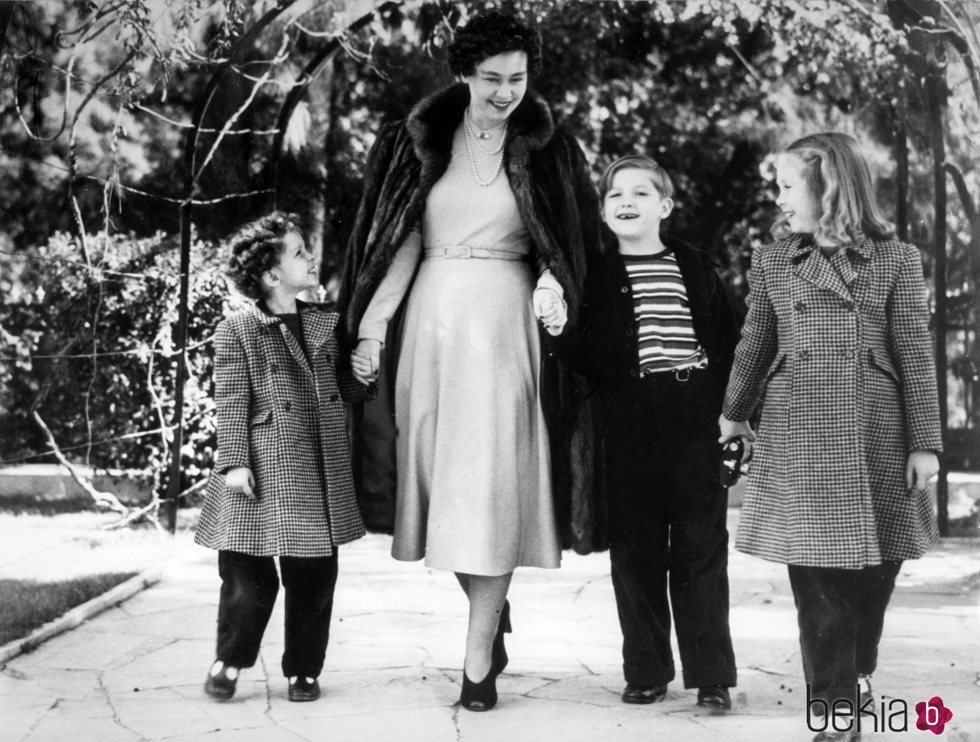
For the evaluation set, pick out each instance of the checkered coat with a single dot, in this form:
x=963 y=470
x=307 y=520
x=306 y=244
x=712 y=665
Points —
x=287 y=422
x=840 y=351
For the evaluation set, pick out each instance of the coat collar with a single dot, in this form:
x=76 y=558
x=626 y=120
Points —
x=804 y=243
x=317 y=325
x=837 y=273
x=434 y=119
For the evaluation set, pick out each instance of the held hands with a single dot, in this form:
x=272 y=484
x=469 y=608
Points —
x=240 y=479
x=365 y=361
x=731 y=429
x=550 y=310
x=921 y=467
x=549 y=304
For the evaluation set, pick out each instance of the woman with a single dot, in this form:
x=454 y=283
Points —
x=478 y=215
x=837 y=339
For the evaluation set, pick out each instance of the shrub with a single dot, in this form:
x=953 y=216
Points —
x=90 y=347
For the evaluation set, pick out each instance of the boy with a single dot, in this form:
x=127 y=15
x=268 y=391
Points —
x=282 y=485
x=657 y=332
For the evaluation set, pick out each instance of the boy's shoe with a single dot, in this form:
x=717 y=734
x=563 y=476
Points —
x=715 y=696
x=221 y=681
x=644 y=693
x=303 y=689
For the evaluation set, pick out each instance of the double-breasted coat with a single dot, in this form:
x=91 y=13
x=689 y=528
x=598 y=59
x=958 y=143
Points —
x=840 y=351
x=283 y=416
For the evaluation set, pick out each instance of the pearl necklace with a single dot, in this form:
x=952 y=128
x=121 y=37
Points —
x=480 y=132
x=467 y=137
x=470 y=128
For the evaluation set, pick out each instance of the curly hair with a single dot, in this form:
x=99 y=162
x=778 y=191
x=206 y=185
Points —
x=255 y=248
x=489 y=34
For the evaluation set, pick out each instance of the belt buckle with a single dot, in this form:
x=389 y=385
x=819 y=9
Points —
x=682 y=374
x=459 y=251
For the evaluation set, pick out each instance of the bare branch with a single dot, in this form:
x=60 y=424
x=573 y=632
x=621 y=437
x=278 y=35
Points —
x=232 y=120
x=103 y=500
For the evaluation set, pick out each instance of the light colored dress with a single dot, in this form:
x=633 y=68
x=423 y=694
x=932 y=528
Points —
x=474 y=481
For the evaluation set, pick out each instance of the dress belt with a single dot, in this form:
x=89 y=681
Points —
x=465 y=251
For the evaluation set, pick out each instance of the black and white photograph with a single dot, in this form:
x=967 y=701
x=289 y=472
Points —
x=525 y=370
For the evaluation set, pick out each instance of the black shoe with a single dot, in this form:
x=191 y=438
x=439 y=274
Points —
x=498 y=656
x=304 y=689
x=715 y=696
x=644 y=693
x=480 y=696
x=219 y=685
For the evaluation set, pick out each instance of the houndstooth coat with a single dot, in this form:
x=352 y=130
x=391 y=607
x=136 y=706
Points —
x=841 y=350
x=287 y=422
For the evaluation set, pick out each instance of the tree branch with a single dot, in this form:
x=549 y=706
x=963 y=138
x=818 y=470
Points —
x=103 y=500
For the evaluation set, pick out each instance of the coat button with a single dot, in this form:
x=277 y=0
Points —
x=329 y=358
x=803 y=354
x=273 y=369
x=629 y=332
x=288 y=406
x=848 y=353
x=334 y=397
x=848 y=306
x=800 y=307
x=633 y=372
x=624 y=290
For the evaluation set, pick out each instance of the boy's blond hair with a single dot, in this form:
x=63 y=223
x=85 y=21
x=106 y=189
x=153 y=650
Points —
x=661 y=181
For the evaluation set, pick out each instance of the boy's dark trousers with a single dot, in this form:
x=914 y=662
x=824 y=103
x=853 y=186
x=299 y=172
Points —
x=667 y=516
x=841 y=613
x=249 y=585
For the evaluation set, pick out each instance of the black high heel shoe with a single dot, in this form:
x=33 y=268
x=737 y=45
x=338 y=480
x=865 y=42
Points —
x=498 y=654
x=480 y=696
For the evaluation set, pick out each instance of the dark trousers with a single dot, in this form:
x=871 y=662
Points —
x=667 y=529
x=249 y=585
x=841 y=613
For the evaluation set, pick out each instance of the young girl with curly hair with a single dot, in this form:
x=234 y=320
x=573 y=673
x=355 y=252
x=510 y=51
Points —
x=282 y=485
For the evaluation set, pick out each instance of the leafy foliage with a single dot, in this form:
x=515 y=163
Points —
x=107 y=91
x=91 y=349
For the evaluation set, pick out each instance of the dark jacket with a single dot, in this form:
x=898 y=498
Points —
x=605 y=344
x=556 y=199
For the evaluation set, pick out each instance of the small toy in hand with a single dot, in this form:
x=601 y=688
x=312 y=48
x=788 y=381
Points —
x=731 y=462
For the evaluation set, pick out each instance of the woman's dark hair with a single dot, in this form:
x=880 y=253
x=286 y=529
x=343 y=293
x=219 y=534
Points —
x=255 y=248
x=488 y=35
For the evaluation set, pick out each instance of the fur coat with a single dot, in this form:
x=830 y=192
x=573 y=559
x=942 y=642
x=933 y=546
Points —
x=557 y=201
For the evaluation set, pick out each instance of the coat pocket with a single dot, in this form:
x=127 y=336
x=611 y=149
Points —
x=883 y=364
x=776 y=366
x=263 y=417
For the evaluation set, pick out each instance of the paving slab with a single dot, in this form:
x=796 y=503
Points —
x=393 y=668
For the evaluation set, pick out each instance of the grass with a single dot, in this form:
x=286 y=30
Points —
x=28 y=604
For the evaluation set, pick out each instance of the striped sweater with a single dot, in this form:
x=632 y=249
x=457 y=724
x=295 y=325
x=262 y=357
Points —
x=664 y=326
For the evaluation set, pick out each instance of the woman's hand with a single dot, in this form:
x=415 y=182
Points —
x=921 y=467
x=365 y=361
x=240 y=479
x=732 y=429
x=550 y=309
